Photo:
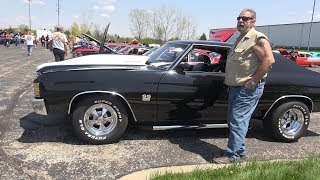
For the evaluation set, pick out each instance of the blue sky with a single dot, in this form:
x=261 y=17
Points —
x=207 y=13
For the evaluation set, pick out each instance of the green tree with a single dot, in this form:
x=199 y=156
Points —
x=173 y=39
x=75 y=30
x=203 y=37
x=147 y=40
x=23 y=28
x=67 y=32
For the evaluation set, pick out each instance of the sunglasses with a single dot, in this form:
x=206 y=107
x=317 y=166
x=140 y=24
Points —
x=244 y=18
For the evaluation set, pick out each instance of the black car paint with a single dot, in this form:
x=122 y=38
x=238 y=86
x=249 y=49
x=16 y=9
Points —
x=176 y=97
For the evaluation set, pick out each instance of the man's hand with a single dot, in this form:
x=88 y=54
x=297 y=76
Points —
x=250 y=84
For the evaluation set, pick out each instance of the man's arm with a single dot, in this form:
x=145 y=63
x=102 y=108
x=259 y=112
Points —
x=66 y=45
x=263 y=50
x=66 y=48
x=50 y=45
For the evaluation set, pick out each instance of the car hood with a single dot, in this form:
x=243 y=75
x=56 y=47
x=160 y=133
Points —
x=99 y=60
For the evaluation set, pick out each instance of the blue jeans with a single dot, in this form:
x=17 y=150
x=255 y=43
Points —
x=241 y=104
x=18 y=41
x=29 y=48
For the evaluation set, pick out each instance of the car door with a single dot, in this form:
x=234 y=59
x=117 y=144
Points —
x=192 y=96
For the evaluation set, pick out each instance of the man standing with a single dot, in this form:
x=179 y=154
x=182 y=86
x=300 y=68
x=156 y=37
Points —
x=47 y=39
x=59 y=45
x=8 y=38
x=29 y=42
x=18 y=40
x=246 y=70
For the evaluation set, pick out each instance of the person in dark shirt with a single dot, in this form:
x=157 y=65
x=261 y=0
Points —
x=47 y=39
x=42 y=40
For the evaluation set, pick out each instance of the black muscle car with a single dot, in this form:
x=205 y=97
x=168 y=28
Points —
x=106 y=93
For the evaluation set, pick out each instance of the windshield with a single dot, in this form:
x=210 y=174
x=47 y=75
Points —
x=167 y=54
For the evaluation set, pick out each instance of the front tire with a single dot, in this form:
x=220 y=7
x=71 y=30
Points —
x=100 y=120
x=288 y=122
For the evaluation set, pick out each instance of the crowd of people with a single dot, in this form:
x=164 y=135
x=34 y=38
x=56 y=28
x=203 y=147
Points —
x=30 y=40
x=8 y=38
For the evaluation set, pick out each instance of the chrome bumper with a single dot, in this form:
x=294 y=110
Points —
x=39 y=106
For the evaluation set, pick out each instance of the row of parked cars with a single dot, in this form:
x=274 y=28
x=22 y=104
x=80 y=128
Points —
x=110 y=48
x=195 y=57
x=310 y=59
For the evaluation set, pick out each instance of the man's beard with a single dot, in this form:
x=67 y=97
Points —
x=243 y=28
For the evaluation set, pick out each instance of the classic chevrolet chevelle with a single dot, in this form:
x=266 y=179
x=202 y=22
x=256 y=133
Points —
x=104 y=94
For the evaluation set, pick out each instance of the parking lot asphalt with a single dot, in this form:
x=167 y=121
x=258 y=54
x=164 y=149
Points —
x=41 y=147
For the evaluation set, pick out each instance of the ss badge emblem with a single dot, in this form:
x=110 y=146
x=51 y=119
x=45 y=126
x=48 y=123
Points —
x=146 y=97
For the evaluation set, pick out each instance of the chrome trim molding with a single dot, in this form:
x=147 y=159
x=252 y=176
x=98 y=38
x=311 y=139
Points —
x=94 y=68
x=289 y=96
x=104 y=92
x=204 y=126
x=39 y=106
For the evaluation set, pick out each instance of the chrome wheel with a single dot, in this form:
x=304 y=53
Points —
x=291 y=122
x=100 y=119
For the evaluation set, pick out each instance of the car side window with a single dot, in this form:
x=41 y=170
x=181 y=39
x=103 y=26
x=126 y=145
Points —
x=201 y=60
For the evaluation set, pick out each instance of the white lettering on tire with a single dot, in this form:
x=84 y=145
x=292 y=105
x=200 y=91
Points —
x=306 y=121
x=100 y=137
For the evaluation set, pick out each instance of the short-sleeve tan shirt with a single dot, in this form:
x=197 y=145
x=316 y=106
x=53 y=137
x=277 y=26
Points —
x=242 y=62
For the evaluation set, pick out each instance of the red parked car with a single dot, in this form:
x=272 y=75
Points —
x=301 y=58
x=94 y=49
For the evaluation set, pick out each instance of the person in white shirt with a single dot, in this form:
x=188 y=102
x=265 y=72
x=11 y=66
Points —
x=59 y=45
x=29 y=42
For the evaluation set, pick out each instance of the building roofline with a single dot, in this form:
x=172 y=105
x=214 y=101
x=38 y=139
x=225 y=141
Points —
x=271 y=25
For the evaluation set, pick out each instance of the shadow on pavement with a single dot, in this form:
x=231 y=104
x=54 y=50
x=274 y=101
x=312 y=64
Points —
x=38 y=128
x=206 y=150
x=59 y=129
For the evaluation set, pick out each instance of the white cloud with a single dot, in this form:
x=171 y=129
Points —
x=96 y=7
x=317 y=17
x=107 y=1
x=109 y=8
x=75 y=16
x=105 y=15
x=34 y=1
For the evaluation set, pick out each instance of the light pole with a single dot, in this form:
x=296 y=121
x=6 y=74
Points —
x=58 y=10
x=29 y=14
x=314 y=4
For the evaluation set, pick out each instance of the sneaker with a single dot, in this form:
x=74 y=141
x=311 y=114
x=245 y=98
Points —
x=222 y=160
x=225 y=160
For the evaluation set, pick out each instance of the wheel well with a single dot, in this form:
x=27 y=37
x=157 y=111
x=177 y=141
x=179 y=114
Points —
x=80 y=97
x=308 y=102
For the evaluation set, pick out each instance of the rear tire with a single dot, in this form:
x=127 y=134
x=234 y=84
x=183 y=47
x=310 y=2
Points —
x=288 y=122
x=100 y=119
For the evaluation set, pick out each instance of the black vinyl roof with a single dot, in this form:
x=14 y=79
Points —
x=204 y=42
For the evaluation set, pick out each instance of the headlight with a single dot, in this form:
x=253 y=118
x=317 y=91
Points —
x=36 y=89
